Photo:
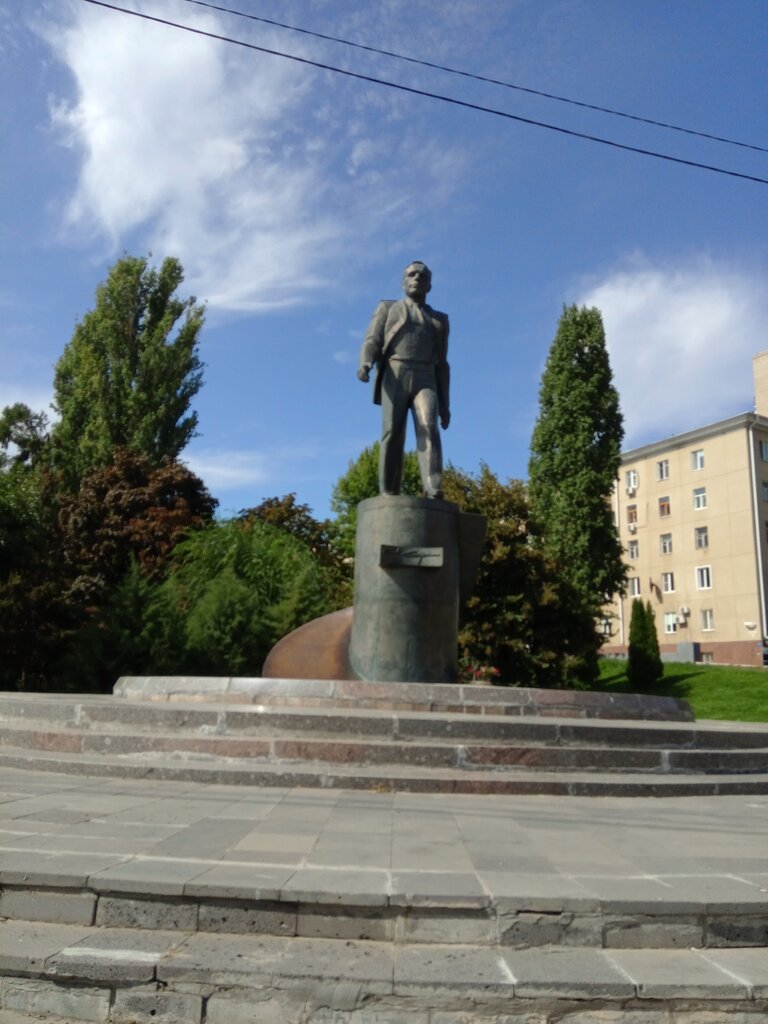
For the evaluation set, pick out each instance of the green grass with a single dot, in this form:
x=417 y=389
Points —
x=713 y=691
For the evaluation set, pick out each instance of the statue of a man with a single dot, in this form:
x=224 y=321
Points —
x=408 y=342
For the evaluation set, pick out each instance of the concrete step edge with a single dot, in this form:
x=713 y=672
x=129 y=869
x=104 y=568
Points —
x=111 y=960
x=409 y=908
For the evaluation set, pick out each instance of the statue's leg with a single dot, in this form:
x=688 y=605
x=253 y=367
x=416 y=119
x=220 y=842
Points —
x=395 y=400
x=428 y=443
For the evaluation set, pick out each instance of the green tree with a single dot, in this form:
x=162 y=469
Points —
x=129 y=510
x=238 y=587
x=127 y=377
x=644 y=666
x=575 y=459
x=519 y=626
x=361 y=481
x=23 y=436
x=296 y=518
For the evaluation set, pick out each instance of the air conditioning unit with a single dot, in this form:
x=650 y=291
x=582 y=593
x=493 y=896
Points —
x=631 y=491
x=681 y=620
x=685 y=610
x=632 y=527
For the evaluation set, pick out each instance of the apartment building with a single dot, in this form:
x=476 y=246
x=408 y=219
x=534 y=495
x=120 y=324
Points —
x=692 y=512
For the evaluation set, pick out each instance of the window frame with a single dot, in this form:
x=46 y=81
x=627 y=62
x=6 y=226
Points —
x=665 y=507
x=697 y=459
x=670 y=619
x=700 y=532
x=707 y=620
x=665 y=543
x=633 y=586
x=699 y=498
x=668 y=583
x=703 y=572
x=662 y=469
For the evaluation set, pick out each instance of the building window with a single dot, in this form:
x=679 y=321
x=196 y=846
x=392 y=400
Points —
x=634 y=586
x=630 y=478
x=763 y=446
x=700 y=497
x=633 y=549
x=665 y=544
x=668 y=582
x=670 y=622
x=707 y=620
x=707 y=658
x=765 y=490
x=703 y=577
x=701 y=537
x=631 y=513
x=664 y=506
x=662 y=469
x=606 y=627
x=697 y=459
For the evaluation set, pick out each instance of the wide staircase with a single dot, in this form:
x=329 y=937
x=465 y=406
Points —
x=222 y=851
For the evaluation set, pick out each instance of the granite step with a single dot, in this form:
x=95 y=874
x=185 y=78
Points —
x=105 y=714
x=114 y=975
x=287 y=748
x=456 y=698
x=418 y=778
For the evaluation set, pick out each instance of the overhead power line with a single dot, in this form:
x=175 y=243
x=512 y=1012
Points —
x=477 y=77
x=466 y=105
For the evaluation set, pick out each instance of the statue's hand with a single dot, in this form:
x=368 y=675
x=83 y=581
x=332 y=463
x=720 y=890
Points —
x=445 y=419
x=363 y=373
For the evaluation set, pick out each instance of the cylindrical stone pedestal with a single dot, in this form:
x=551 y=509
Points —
x=407 y=581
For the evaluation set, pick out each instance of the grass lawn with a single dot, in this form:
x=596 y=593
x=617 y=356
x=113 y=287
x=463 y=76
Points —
x=713 y=691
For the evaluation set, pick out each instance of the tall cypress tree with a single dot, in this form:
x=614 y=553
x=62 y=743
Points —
x=127 y=377
x=644 y=667
x=575 y=459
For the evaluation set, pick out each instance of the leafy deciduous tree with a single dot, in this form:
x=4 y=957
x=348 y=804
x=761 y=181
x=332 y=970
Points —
x=127 y=377
x=519 y=620
x=128 y=510
x=361 y=481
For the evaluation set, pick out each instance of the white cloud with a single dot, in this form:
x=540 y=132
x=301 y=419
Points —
x=227 y=470
x=681 y=340
x=258 y=173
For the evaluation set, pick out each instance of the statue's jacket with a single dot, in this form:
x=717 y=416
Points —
x=389 y=317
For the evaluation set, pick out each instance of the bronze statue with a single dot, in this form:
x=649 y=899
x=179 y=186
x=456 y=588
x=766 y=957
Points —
x=408 y=342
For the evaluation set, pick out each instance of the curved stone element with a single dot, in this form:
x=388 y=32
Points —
x=317 y=650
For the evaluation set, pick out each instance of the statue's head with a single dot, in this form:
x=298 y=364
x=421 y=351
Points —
x=417 y=280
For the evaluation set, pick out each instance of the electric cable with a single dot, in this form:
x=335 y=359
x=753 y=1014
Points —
x=465 y=104
x=477 y=77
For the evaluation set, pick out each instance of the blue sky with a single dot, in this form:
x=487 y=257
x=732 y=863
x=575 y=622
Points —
x=294 y=197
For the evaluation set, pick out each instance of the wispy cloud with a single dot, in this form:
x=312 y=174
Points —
x=227 y=159
x=228 y=470
x=681 y=340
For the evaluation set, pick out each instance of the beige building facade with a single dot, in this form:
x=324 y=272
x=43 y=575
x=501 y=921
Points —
x=692 y=513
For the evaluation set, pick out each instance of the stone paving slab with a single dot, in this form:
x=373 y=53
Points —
x=208 y=858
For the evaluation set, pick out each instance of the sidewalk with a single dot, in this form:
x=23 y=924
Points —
x=568 y=853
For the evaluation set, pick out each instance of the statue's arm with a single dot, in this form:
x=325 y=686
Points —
x=443 y=373
x=373 y=343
